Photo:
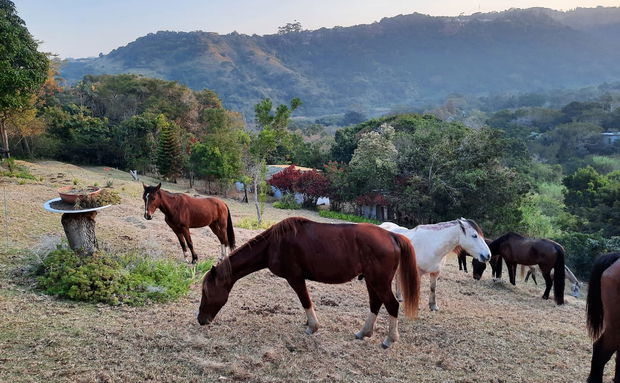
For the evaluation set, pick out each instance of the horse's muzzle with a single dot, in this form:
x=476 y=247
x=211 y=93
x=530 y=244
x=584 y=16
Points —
x=148 y=217
x=477 y=276
x=485 y=257
x=204 y=321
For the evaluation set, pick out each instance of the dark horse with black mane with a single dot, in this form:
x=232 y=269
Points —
x=603 y=307
x=183 y=212
x=297 y=249
x=516 y=249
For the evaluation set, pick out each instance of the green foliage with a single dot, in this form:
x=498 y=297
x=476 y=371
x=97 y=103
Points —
x=287 y=202
x=169 y=155
x=347 y=217
x=128 y=279
x=253 y=224
x=595 y=199
x=8 y=168
x=103 y=198
x=582 y=249
x=23 y=69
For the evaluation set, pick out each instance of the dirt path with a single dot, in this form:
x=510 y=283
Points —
x=485 y=331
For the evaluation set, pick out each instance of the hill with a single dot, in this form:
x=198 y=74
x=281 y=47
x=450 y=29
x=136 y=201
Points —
x=403 y=60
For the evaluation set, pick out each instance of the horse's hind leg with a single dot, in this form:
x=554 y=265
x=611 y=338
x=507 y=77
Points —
x=432 y=299
x=188 y=239
x=220 y=232
x=601 y=353
x=391 y=305
x=375 y=305
x=548 y=283
x=299 y=285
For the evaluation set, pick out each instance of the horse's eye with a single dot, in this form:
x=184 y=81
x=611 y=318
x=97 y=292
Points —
x=475 y=235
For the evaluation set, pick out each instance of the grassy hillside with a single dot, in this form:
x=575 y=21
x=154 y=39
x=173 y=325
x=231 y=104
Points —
x=485 y=331
x=403 y=60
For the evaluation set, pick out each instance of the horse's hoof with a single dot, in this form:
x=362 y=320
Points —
x=359 y=336
x=385 y=345
x=310 y=331
x=434 y=308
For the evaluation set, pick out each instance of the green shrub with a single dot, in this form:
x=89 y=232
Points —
x=347 y=217
x=115 y=279
x=252 y=224
x=8 y=168
x=582 y=249
x=287 y=202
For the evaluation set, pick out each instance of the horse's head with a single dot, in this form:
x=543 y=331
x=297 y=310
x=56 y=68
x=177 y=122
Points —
x=576 y=290
x=477 y=268
x=151 y=197
x=472 y=240
x=214 y=295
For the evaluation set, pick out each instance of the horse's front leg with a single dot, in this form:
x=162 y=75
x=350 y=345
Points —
x=432 y=300
x=299 y=285
x=188 y=239
x=182 y=242
x=512 y=272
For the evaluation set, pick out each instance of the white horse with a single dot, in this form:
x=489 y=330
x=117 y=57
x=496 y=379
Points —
x=575 y=287
x=432 y=242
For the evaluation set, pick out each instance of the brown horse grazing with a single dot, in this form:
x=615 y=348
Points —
x=603 y=307
x=297 y=249
x=184 y=212
x=518 y=250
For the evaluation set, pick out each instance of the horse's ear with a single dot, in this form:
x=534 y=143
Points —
x=461 y=224
x=213 y=270
x=144 y=186
x=158 y=186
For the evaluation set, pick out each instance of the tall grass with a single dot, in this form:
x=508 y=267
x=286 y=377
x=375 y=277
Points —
x=347 y=217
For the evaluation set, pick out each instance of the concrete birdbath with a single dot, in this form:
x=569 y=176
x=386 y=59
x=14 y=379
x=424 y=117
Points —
x=78 y=223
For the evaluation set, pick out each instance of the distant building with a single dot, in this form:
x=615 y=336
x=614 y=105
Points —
x=610 y=138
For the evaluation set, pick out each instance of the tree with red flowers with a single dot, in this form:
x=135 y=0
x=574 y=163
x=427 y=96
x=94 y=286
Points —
x=313 y=185
x=286 y=179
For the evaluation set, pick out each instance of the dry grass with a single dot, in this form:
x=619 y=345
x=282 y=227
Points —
x=485 y=331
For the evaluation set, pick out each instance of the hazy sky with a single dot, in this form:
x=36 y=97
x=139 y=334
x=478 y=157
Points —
x=81 y=28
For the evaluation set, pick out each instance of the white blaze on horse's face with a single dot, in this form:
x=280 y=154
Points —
x=473 y=241
x=146 y=207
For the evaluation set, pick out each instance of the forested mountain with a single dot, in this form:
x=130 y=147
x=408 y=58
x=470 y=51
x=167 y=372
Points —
x=400 y=61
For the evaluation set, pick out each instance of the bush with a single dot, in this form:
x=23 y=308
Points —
x=252 y=224
x=347 y=217
x=8 y=168
x=287 y=202
x=115 y=279
x=582 y=249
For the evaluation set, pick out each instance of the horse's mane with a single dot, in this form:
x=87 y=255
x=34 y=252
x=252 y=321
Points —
x=475 y=226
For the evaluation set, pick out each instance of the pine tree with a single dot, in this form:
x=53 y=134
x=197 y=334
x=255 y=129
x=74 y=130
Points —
x=169 y=154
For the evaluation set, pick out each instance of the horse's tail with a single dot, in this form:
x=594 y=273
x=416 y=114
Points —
x=559 y=273
x=409 y=275
x=594 y=303
x=230 y=232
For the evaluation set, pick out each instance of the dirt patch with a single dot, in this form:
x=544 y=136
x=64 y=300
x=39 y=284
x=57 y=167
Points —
x=485 y=331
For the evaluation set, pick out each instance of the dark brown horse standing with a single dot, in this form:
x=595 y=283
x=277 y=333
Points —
x=183 y=212
x=297 y=249
x=603 y=307
x=516 y=249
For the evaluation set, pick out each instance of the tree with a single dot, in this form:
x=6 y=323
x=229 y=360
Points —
x=23 y=69
x=286 y=180
x=169 y=154
x=272 y=134
x=312 y=185
x=373 y=165
x=295 y=26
